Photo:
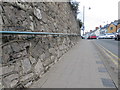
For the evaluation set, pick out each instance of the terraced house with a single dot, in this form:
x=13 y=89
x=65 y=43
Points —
x=113 y=27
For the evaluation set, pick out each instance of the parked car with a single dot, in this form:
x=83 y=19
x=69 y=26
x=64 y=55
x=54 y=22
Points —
x=83 y=37
x=93 y=36
x=110 y=36
x=101 y=37
x=117 y=35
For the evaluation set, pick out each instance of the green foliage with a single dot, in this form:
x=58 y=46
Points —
x=74 y=4
x=80 y=23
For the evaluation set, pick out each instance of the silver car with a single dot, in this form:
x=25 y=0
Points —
x=110 y=36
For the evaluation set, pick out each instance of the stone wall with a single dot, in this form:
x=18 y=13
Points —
x=25 y=58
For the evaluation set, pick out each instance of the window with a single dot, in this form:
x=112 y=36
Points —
x=111 y=28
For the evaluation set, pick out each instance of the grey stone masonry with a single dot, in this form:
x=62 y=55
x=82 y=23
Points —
x=25 y=58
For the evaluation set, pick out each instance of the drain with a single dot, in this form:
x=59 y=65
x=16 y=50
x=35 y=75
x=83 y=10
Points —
x=101 y=69
x=99 y=62
x=108 y=82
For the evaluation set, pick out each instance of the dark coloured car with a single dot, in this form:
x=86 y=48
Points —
x=117 y=35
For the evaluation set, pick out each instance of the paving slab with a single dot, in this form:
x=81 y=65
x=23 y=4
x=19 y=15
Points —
x=76 y=69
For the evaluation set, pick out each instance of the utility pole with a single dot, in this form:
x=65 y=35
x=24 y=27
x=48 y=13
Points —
x=83 y=19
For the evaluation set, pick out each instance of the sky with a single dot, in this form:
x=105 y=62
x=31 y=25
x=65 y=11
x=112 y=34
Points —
x=102 y=12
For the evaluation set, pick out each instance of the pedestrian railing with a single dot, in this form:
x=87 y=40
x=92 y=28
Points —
x=36 y=33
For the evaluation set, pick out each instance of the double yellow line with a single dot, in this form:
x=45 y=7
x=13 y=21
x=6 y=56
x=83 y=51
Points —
x=112 y=56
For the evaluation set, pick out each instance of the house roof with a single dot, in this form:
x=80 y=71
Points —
x=106 y=26
x=119 y=21
x=115 y=23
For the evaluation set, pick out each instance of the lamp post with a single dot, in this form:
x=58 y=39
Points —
x=84 y=19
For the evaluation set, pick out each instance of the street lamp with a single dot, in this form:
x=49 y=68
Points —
x=84 y=18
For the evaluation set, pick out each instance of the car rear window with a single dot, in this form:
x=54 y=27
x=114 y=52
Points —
x=109 y=34
x=118 y=30
x=93 y=35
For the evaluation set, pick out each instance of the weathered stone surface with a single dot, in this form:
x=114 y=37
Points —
x=37 y=13
x=1 y=9
x=15 y=47
x=17 y=66
x=52 y=58
x=47 y=54
x=5 y=58
x=33 y=60
x=0 y=71
x=32 y=26
x=33 y=54
x=42 y=57
x=7 y=69
x=1 y=23
x=52 y=51
x=26 y=65
x=59 y=54
x=47 y=62
x=7 y=49
x=28 y=84
x=39 y=67
x=9 y=79
x=26 y=76
x=13 y=83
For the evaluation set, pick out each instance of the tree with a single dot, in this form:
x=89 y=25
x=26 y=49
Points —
x=80 y=23
x=74 y=5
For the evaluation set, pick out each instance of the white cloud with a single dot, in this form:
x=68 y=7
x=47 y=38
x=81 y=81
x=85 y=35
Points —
x=101 y=11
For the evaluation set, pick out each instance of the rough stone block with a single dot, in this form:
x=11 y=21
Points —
x=47 y=62
x=28 y=84
x=17 y=66
x=35 y=54
x=52 y=58
x=5 y=58
x=7 y=49
x=26 y=77
x=1 y=9
x=9 y=79
x=26 y=65
x=1 y=23
x=15 y=47
x=59 y=54
x=42 y=57
x=32 y=26
x=38 y=67
x=7 y=69
x=47 y=54
x=13 y=83
x=37 y=13
x=52 y=50
x=33 y=60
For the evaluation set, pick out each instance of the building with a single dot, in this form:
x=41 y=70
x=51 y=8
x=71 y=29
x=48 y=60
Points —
x=118 y=26
x=104 y=29
x=113 y=27
x=97 y=32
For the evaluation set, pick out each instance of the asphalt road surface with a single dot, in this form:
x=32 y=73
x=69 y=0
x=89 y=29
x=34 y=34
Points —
x=110 y=44
x=111 y=62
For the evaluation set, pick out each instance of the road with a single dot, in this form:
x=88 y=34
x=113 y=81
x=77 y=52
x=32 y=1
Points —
x=110 y=44
x=110 y=54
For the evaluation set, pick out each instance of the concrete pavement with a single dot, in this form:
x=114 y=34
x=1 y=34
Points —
x=80 y=67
